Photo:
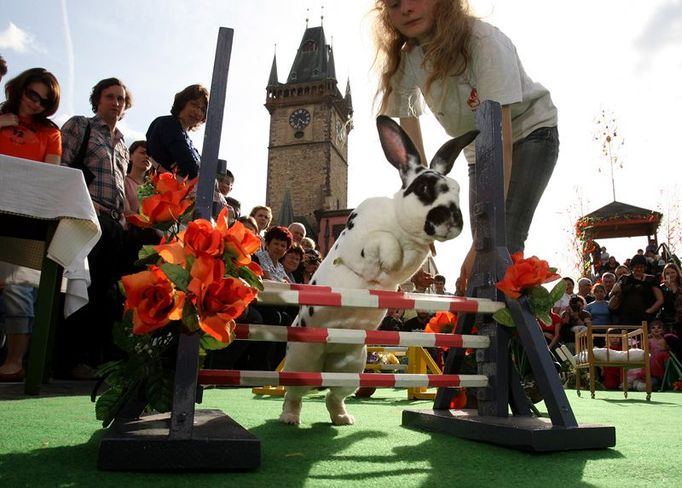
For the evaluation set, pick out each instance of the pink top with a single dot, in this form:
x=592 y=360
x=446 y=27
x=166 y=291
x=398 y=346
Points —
x=132 y=204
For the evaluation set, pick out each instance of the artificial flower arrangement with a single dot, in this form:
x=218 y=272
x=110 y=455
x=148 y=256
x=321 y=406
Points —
x=524 y=278
x=198 y=280
x=445 y=323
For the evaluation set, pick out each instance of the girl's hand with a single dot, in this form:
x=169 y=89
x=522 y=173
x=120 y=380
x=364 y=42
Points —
x=8 y=120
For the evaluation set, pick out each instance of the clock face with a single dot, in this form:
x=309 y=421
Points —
x=299 y=118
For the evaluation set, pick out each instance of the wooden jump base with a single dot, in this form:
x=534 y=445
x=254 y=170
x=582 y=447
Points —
x=377 y=380
x=276 y=333
x=210 y=440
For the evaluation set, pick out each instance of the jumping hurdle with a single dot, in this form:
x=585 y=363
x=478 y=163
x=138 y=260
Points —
x=210 y=440
x=416 y=382
x=419 y=361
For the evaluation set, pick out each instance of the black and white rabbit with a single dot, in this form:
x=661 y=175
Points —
x=384 y=243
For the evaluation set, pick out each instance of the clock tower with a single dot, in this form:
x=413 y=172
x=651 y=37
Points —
x=308 y=144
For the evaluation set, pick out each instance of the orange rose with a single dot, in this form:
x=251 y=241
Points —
x=170 y=182
x=219 y=303
x=167 y=205
x=240 y=242
x=442 y=322
x=525 y=273
x=173 y=252
x=153 y=299
x=201 y=239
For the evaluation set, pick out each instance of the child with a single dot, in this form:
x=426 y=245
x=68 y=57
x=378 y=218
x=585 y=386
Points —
x=599 y=308
x=658 y=355
x=573 y=320
x=438 y=50
x=612 y=377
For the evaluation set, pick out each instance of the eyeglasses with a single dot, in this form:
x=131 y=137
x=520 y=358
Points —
x=35 y=97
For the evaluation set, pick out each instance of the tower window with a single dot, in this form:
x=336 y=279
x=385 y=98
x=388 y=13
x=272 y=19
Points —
x=309 y=46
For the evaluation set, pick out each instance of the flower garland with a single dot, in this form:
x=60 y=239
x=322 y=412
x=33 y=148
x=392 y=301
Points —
x=525 y=277
x=198 y=280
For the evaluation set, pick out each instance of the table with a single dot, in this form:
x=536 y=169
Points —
x=47 y=222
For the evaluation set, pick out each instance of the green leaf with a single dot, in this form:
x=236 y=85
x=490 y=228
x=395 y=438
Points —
x=159 y=389
x=251 y=278
x=177 y=274
x=123 y=333
x=108 y=368
x=147 y=255
x=504 y=317
x=544 y=316
x=190 y=317
x=558 y=291
x=106 y=404
x=210 y=343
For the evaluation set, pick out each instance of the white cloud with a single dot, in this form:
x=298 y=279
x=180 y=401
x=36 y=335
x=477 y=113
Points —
x=662 y=31
x=17 y=39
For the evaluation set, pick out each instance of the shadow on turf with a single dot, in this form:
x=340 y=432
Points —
x=434 y=461
x=296 y=456
x=626 y=401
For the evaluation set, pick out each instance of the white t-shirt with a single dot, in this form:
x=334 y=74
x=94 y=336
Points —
x=494 y=72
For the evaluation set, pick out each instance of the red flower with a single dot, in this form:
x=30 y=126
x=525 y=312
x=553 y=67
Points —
x=219 y=303
x=524 y=274
x=241 y=243
x=201 y=239
x=153 y=299
x=442 y=322
x=168 y=204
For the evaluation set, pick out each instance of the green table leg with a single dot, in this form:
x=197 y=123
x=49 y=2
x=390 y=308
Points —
x=43 y=323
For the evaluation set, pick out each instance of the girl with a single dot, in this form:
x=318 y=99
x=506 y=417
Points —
x=437 y=50
x=658 y=355
x=671 y=313
x=599 y=308
x=26 y=132
x=138 y=167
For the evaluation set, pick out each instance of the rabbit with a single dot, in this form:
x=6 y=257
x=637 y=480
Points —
x=384 y=243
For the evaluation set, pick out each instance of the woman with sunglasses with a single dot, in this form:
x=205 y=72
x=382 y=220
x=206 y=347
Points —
x=25 y=130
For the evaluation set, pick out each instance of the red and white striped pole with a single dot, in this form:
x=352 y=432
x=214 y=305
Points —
x=296 y=294
x=376 y=380
x=275 y=333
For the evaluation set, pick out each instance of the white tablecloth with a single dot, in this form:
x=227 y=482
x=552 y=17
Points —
x=49 y=192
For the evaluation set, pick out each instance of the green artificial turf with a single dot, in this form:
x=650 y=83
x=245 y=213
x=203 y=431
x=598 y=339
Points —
x=53 y=441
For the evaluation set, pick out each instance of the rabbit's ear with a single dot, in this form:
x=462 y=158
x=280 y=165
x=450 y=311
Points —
x=398 y=148
x=448 y=152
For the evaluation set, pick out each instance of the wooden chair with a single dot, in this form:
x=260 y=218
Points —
x=633 y=353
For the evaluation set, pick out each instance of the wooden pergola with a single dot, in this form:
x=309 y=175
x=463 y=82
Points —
x=619 y=220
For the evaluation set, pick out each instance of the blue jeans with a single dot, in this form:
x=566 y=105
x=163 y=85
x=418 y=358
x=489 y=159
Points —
x=533 y=161
x=17 y=311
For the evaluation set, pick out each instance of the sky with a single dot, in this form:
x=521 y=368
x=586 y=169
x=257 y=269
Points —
x=618 y=57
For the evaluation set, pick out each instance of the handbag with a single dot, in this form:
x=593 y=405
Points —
x=78 y=161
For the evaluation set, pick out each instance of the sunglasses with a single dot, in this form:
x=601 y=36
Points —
x=35 y=97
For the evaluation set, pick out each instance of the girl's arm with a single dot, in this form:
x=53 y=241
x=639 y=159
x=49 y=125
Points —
x=413 y=129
